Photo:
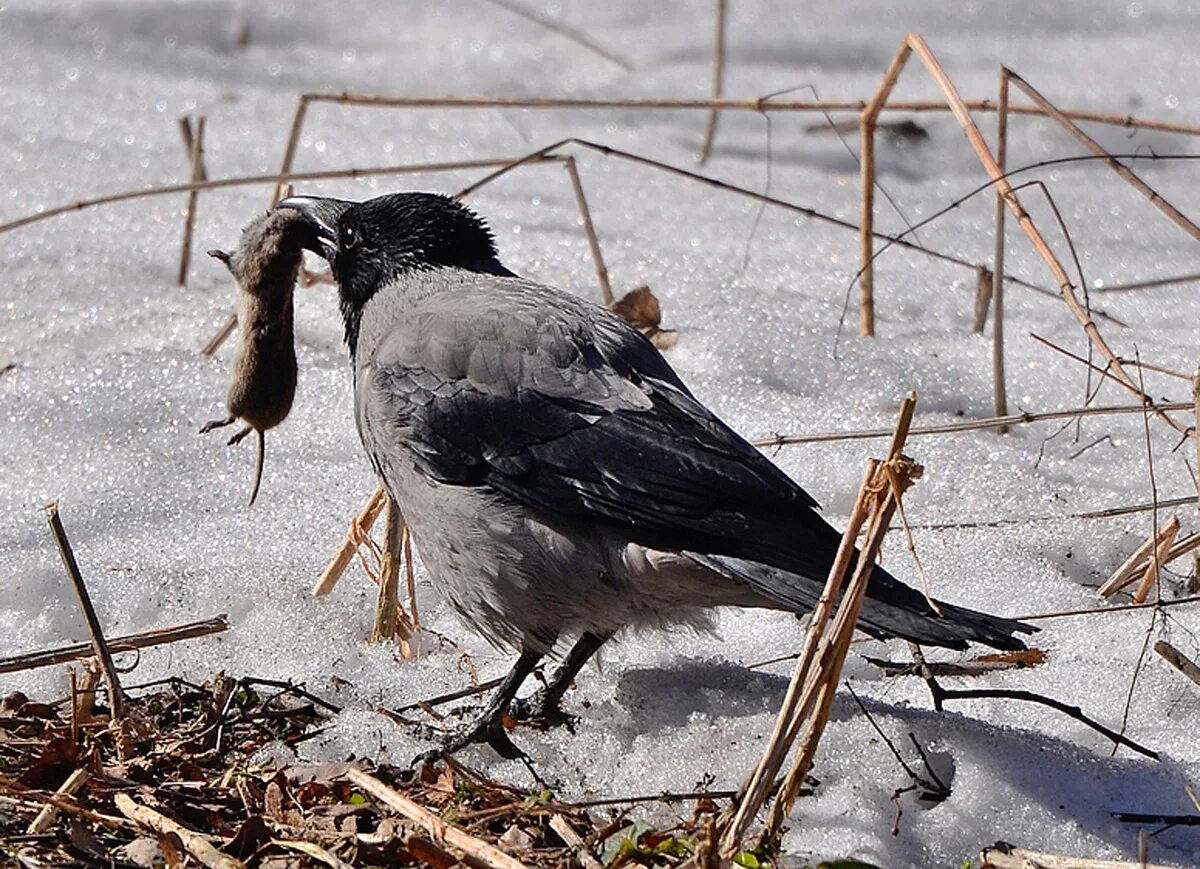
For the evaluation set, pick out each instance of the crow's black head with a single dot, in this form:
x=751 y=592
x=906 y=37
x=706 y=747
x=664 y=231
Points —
x=371 y=244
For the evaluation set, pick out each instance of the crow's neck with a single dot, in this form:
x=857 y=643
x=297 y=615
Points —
x=353 y=302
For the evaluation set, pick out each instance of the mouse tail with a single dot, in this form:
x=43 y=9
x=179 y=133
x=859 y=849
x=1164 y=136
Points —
x=262 y=449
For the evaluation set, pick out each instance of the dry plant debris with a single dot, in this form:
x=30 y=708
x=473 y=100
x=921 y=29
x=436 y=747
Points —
x=192 y=791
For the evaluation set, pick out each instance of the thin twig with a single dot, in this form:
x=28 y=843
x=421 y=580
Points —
x=116 y=695
x=194 y=142
x=359 y=526
x=972 y=425
x=999 y=387
x=1176 y=216
x=440 y=830
x=718 y=80
x=1178 y=660
x=143 y=640
x=195 y=844
x=585 y=214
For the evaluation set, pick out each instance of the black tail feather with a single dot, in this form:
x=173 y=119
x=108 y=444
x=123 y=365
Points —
x=890 y=609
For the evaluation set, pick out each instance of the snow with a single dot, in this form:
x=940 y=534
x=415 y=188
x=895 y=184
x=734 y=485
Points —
x=102 y=409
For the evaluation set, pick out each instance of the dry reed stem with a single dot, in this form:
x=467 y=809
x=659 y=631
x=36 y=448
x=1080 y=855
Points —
x=390 y=618
x=116 y=645
x=1194 y=582
x=972 y=425
x=999 y=385
x=116 y=694
x=572 y=839
x=1002 y=856
x=545 y=153
x=983 y=299
x=891 y=480
x=1108 y=374
x=195 y=844
x=359 y=526
x=753 y=793
x=1136 y=562
x=194 y=142
x=49 y=814
x=819 y=667
x=758 y=104
x=585 y=214
x=440 y=830
x=1066 y=288
x=411 y=581
x=1148 y=285
x=866 y=169
x=1180 y=662
x=1154 y=569
x=1176 y=216
x=718 y=80
x=250 y=180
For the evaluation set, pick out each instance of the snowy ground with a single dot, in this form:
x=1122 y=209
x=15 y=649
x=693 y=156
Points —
x=102 y=408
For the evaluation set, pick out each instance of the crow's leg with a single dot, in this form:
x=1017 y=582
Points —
x=488 y=725
x=542 y=708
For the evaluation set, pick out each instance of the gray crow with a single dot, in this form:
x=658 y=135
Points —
x=558 y=477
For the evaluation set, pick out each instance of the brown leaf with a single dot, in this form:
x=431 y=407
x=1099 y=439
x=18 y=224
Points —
x=640 y=308
x=55 y=762
x=251 y=835
x=1021 y=658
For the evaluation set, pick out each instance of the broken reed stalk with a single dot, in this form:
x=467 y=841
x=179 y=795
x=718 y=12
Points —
x=892 y=479
x=866 y=169
x=195 y=844
x=718 y=81
x=999 y=386
x=1136 y=563
x=1158 y=559
x=390 y=618
x=1178 y=660
x=1176 y=216
x=589 y=229
x=439 y=829
x=116 y=694
x=571 y=838
x=387 y=606
x=815 y=678
x=1004 y=856
x=116 y=645
x=753 y=793
x=410 y=577
x=194 y=143
x=359 y=526
x=49 y=814
x=983 y=299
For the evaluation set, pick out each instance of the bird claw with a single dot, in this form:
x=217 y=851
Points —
x=537 y=711
x=480 y=731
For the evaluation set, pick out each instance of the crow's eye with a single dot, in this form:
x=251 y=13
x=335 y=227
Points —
x=349 y=236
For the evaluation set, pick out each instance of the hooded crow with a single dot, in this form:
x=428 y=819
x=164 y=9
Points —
x=559 y=479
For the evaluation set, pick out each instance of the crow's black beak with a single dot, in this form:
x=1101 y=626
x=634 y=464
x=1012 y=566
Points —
x=322 y=214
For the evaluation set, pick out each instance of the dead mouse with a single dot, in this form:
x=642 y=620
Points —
x=263 y=380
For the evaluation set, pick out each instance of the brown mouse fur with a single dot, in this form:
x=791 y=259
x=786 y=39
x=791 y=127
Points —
x=262 y=383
